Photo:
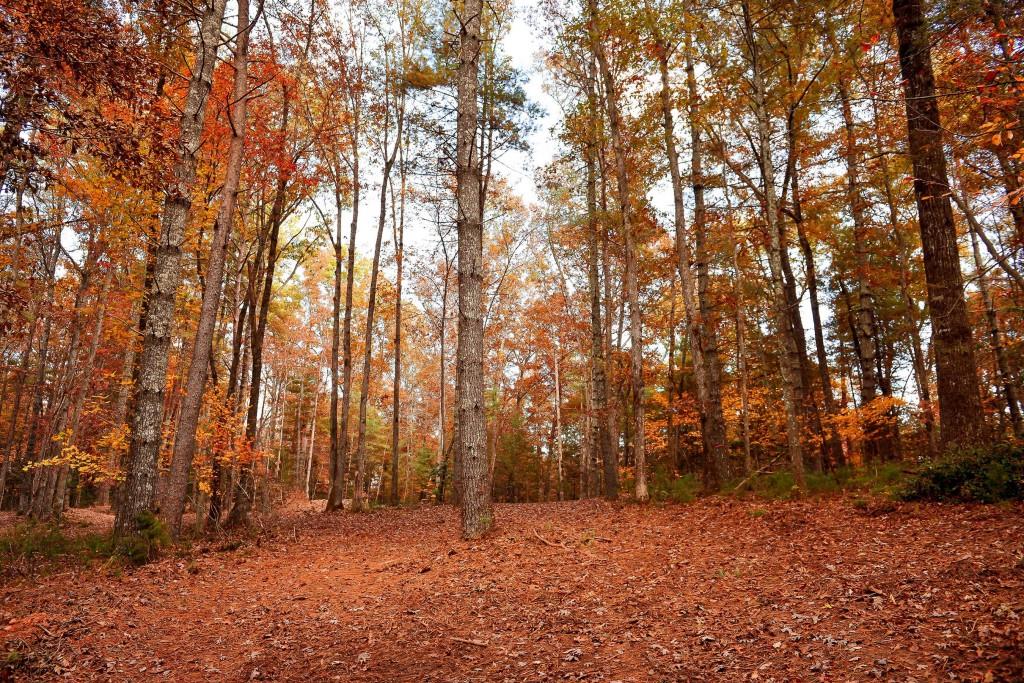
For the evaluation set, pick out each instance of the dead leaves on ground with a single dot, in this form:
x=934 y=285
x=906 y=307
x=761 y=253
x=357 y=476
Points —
x=569 y=591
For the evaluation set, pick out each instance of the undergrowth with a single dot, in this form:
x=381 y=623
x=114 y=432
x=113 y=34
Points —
x=977 y=475
x=877 y=479
x=35 y=547
x=665 y=488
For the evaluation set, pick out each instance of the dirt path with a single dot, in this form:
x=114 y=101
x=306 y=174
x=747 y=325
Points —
x=716 y=591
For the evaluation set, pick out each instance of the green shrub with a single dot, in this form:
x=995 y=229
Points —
x=774 y=486
x=667 y=488
x=146 y=544
x=981 y=475
x=31 y=546
x=32 y=541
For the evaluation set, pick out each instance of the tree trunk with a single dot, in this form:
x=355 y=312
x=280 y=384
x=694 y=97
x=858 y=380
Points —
x=339 y=458
x=442 y=453
x=741 y=362
x=705 y=335
x=598 y=361
x=875 y=444
x=335 y=335
x=477 y=513
x=996 y=339
x=161 y=295
x=631 y=256
x=558 y=418
x=359 y=495
x=310 y=486
x=245 y=492
x=396 y=401
x=959 y=399
x=49 y=256
x=172 y=506
x=920 y=365
x=789 y=355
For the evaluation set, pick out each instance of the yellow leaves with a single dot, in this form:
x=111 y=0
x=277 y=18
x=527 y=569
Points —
x=115 y=440
x=90 y=465
x=423 y=77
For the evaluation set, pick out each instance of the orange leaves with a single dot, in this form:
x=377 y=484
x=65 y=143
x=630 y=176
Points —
x=857 y=424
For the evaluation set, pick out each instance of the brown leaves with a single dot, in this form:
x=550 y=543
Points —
x=811 y=591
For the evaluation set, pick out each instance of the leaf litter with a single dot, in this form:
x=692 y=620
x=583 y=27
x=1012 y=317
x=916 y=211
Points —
x=578 y=591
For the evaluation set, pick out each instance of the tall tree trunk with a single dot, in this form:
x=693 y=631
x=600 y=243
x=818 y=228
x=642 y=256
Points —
x=672 y=442
x=396 y=401
x=741 y=361
x=11 y=446
x=920 y=365
x=161 y=295
x=309 y=485
x=957 y=370
x=359 y=496
x=477 y=513
x=631 y=256
x=558 y=417
x=713 y=419
x=245 y=488
x=602 y=438
x=875 y=443
x=339 y=458
x=172 y=506
x=789 y=354
x=442 y=453
x=49 y=254
x=996 y=339
x=831 y=447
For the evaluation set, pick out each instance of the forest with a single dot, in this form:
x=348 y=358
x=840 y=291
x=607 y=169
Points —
x=511 y=340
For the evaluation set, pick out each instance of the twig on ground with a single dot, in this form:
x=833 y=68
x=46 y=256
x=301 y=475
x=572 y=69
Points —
x=549 y=543
x=754 y=474
x=470 y=641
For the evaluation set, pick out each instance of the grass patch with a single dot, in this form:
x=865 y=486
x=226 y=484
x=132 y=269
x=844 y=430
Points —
x=881 y=479
x=32 y=547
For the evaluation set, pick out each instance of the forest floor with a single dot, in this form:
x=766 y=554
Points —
x=718 y=590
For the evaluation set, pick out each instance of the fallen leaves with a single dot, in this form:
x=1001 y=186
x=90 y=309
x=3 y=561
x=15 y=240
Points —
x=571 y=591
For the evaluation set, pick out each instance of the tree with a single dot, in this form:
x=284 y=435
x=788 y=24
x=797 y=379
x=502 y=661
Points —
x=172 y=506
x=477 y=514
x=956 y=368
x=162 y=291
x=632 y=287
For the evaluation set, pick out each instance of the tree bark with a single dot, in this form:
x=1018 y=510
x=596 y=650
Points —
x=957 y=370
x=789 y=355
x=996 y=339
x=396 y=400
x=161 y=295
x=876 y=444
x=339 y=458
x=477 y=513
x=245 y=492
x=631 y=278
x=707 y=335
x=359 y=495
x=172 y=506
x=602 y=438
